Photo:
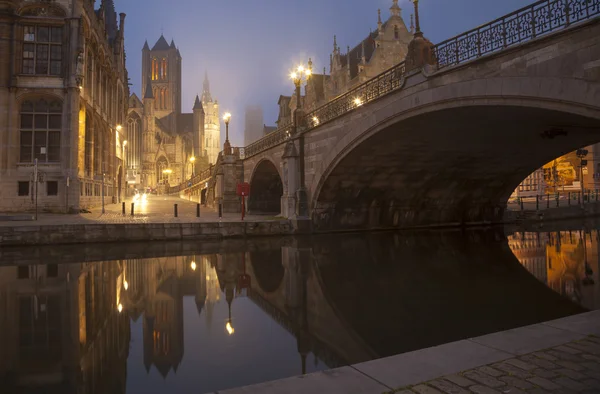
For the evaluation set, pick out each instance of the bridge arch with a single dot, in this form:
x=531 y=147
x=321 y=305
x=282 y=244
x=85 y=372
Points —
x=268 y=269
x=449 y=154
x=266 y=189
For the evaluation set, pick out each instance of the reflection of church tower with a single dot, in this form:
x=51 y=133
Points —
x=212 y=123
x=201 y=292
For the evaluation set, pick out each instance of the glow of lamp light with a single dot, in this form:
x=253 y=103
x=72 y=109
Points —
x=230 y=329
x=300 y=69
x=316 y=120
x=358 y=102
x=293 y=75
x=193 y=265
x=119 y=127
x=120 y=308
x=126 y=285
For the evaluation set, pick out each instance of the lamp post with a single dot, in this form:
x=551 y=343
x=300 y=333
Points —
x=124 y=167
x=193 y=162
x=302 y=74
x=227 y=145
x=417 y=22
x=581 y=153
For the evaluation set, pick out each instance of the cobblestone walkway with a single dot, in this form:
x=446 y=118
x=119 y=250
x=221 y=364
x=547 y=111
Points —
x=570 y=368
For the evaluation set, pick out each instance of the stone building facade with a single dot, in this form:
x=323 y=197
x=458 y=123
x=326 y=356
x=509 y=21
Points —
x=380 y=50
x=161 y=139
x=63 y=94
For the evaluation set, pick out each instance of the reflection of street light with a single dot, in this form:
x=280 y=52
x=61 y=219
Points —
x=126 y=285
x=120 y=308
x=193 y=265
x=227 y=145
x=581 y=153
x=229 y=328
x=119 y=127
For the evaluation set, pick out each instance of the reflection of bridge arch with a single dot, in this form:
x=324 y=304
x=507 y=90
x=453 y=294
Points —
x=268 y=269
x=266 y=189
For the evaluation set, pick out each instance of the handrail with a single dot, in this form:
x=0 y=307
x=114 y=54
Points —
x=525 y=24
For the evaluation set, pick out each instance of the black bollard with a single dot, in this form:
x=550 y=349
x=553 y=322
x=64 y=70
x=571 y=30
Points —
x=220 y=210
x=132 y=208
x=197 y=210
x=175 y=210
x=537 y=202
x=548 y=201
x=123 y=208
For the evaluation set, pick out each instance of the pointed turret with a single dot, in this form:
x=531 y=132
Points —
x=206 y=97
x=395 y=10
x=148 y=94
x=198 y=104
x=173 y=44
x=379 y=22
x=146 y=46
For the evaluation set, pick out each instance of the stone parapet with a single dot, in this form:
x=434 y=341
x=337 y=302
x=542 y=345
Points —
x=94 y=233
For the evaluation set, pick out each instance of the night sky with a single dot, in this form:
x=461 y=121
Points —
x=249 y=47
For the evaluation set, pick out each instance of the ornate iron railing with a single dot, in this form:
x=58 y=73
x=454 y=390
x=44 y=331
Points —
x=202 y=176
x=528 y=23
x=377 y=87
x=268 y=141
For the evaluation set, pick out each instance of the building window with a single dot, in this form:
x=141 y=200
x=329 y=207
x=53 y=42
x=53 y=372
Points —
x=41 y=122
x=52 y=188
x=42 y=50
x=396 y=32
x=164 y=69
x=23 y=188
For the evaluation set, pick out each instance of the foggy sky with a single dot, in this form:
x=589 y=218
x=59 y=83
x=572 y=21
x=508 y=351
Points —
x=248 y=47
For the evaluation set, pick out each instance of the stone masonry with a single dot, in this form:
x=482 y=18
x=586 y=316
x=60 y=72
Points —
x=570 y=368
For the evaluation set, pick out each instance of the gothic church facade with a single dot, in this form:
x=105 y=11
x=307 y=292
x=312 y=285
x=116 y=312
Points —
x=165 y=146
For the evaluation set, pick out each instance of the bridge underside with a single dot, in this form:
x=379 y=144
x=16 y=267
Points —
x=455 y=166
x=266 y=190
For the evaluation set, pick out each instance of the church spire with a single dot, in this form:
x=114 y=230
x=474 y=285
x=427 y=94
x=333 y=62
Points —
x=146 y=46
x=198 y=104
x=379 y=22
x=149 y=94
x=206 y=97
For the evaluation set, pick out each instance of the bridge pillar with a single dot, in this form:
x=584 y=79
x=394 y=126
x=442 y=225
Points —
x=232 y=170
x=290 y=180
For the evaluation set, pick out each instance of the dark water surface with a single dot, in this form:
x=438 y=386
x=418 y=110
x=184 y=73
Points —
x=198 y=317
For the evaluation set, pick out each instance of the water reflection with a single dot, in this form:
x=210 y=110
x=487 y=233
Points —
x=566 y=261
x=207 y=322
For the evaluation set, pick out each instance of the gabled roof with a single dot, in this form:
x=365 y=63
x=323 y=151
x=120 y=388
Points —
x=284 y=99
x=161 y=44
x=135 y=102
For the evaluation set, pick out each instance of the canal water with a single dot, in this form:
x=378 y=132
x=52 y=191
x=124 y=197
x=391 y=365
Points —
x=200 y=317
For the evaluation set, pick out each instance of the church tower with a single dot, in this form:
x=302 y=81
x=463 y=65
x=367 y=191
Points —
x=212 y=123
x=162 y=65
x=198 y=130
x=148 y=138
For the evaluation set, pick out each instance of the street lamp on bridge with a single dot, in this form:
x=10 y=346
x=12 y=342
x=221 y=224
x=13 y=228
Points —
x=301 y=75
x=193 y=162
x=227 y=145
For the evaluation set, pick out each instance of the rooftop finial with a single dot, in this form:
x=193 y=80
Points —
x=334 y=43
x=395 y=10
x=379 y=23
x=412 y=23
x=418 y=24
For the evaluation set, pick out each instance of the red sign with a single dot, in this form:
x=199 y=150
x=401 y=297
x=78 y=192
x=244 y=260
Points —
x=243 y=189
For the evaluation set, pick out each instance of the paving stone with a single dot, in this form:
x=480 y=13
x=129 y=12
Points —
x=593 y=383
x=447 y=387
x=568 y=349
x=483 y=390
x=512 y=390
x=423 y=389
x=491 y=371
x=591 y=374
x=585 y=347
x=594 y=339
x=543 y=383
x=516 y=382
x=570 y=384
x=570 y=365
x=540 y=362
x=483 y=378
x=538 y=391
x=545 y=373
x=591 y=365
x=403 y=392
x=545 y=356
x=459 y=380
x=591 y=357
x=521 y=364
x=511 y=369
x=564 y=356
x=570 y=373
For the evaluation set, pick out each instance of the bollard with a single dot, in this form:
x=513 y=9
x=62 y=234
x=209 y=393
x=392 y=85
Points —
x=123 y=208
x=197 y=210
x=579 y=198
x=548 y=201
x=596 y=195
x=557 y=200
x=132 y=208
x=220 y=211
x=175 y=210
x=569 y=195
x=537 y=202
x=521 y=202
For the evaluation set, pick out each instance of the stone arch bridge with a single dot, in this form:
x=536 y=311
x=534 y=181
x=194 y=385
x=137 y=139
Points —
x=442 y=138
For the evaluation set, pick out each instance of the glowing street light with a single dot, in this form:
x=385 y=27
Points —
x=227 y=145
x=315 y=120
x=193 y=266
x=193 y=161
x=358 y=102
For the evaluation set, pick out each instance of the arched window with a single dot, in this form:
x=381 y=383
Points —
x=156 y=98
x=164 y=68
x=154 y=69
x=396 y=32
x=41 y=124
x=166 y=106
x=89 y=75
x=89 y=144
x=162 y=98
x=161 y=166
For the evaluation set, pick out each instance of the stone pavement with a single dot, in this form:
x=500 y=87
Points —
x=569 y=368
x=158 y=209
x=559 y=356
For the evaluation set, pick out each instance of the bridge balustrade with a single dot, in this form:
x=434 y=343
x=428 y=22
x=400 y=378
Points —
x=525 y=24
